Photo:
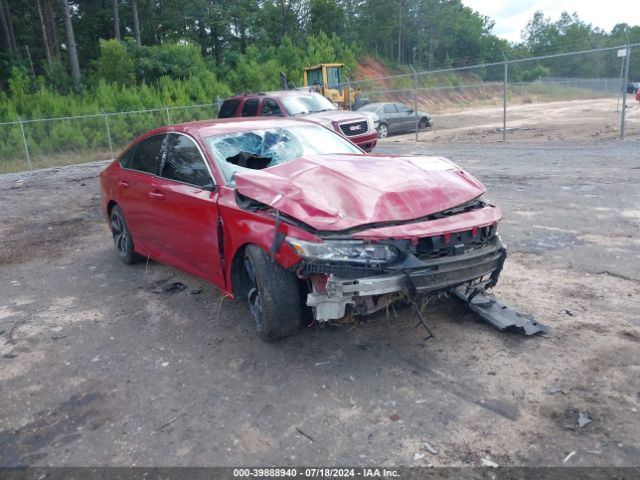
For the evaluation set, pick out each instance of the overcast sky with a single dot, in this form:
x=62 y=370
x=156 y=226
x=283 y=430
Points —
x=511 y=16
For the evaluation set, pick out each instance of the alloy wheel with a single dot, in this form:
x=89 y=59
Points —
x=255 y=303
x=120 y=234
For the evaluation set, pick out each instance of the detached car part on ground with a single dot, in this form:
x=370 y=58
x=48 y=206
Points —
x=287 y=215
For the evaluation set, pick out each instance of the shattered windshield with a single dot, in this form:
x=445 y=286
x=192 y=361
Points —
x=258 y=149
x=306 y=103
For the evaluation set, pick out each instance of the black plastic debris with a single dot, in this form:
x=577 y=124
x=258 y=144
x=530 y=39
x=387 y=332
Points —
x=497 y=314
x=167 y=287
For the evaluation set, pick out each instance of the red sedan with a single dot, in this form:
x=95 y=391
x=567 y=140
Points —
x=287 y=214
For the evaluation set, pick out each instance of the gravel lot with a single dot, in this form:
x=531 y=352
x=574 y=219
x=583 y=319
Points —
x=103 y=364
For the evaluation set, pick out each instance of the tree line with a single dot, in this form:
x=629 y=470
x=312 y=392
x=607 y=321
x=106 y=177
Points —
x=71 y=46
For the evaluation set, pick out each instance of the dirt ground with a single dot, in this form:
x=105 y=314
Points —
x=594 y=120
x=107 y=364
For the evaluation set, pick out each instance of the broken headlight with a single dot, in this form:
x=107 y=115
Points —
x=355 y=251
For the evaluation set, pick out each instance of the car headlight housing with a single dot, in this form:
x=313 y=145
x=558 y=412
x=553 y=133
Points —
x=354 y=251
x=372 y=121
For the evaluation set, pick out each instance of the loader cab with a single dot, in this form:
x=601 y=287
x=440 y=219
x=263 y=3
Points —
x=326 y=79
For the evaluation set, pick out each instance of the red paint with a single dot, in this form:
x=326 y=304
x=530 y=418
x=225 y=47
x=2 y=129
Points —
x=180 y=224
x=339 y=192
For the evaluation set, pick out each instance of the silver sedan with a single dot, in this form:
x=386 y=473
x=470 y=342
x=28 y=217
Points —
x=396 y=117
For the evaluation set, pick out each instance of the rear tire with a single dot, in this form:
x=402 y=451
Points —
x=274 y=296
x=122 y=237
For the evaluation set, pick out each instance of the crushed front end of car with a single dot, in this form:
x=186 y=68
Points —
x=362 y=277
x=375 y=240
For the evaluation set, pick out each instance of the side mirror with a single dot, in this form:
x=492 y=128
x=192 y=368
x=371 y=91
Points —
x=410 y=110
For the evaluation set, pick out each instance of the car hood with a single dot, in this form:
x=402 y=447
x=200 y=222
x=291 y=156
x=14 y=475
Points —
x=339 y=192
x=338 y=116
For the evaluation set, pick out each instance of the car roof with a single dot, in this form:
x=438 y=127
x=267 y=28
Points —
x=380 y=104
x=223 y=126
x=275 y=93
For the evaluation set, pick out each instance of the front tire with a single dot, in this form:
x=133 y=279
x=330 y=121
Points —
x=383 y=130
x=274 y=296
x=122 y=237
x=424 y=123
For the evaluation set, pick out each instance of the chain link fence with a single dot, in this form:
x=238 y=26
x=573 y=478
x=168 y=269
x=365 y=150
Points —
x=39 y=143
x=580 y=96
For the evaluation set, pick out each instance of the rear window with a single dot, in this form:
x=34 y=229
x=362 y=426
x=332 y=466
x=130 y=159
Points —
x=228 y=108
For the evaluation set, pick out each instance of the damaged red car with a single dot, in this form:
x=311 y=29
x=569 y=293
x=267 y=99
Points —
x=286 y=214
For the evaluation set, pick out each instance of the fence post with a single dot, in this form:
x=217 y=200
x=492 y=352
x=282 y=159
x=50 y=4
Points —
x=504 y=99
x=415 y=100
x=349 y=91
x=26 y=147
x=168 y=117
x=624 y=91
x=106 y=122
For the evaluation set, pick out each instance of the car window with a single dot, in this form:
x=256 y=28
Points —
x=146 y=153
x=250 y=108
x=274 y=146
x=390 y=109
x=333 y=77
x=125 y=159
x=402 y=108
x=182 y=161
x=314 y=77
x=372 y=107
x=228 y=108
x=306 y=103
x=270 y=108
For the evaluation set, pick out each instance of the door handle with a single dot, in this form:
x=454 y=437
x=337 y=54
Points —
x=123 y=184
x=157 y=195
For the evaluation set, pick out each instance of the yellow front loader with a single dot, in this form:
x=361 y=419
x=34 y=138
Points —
x=326 y=79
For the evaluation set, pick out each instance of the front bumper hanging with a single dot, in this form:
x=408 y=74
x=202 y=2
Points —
x=466 y=276
x=497 y=314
